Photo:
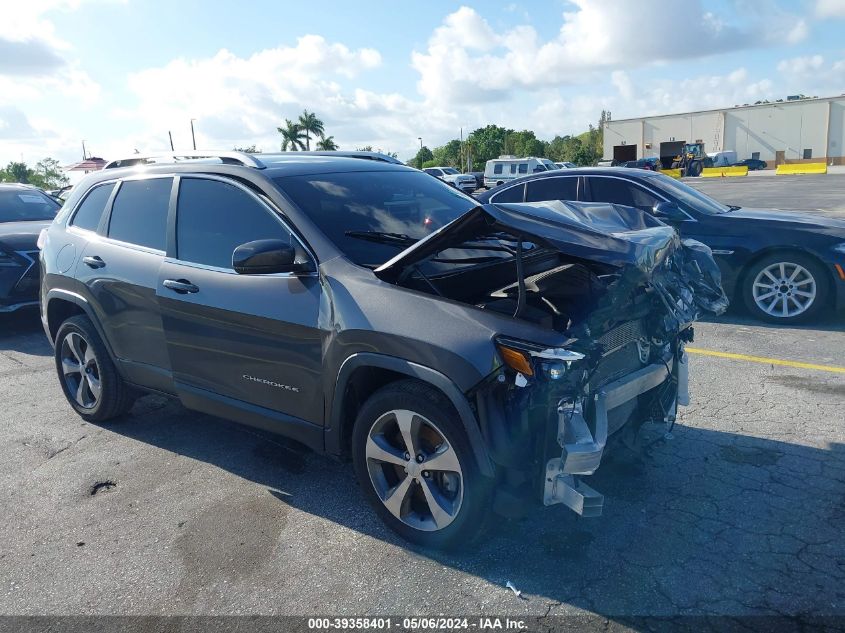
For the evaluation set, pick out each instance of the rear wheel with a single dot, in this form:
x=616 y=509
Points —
x=87 y=374
x=785 y=288
x=416 y=467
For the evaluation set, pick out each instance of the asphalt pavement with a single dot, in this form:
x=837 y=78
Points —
x=166 y=511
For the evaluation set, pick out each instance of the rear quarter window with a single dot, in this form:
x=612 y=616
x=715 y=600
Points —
x=90 y=212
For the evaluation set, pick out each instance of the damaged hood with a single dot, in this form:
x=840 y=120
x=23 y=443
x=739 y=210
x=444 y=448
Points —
x=627 y=238
x=608 y=233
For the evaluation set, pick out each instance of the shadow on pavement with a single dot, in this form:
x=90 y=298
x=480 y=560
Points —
x=21 y=331
x=704 y=523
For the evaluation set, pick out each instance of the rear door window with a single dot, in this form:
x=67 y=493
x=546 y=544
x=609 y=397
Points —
x=139 y=213
x=552 y=189
x=618 y=191
x=91 y=210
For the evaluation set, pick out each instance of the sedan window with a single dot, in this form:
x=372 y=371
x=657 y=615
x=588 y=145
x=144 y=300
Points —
x=511 y=194
x=26 y=205
x=618 y=191
x=552 y=189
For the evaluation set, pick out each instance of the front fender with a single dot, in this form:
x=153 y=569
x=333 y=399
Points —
x=335 y=430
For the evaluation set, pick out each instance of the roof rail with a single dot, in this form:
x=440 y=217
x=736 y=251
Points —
x=229 y=158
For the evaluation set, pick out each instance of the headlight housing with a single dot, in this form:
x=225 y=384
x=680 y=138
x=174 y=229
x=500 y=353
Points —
x=526 y=358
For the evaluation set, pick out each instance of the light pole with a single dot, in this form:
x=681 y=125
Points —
x=193 y=138
x=419 y=138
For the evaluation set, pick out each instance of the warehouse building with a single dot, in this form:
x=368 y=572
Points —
x=797 y=129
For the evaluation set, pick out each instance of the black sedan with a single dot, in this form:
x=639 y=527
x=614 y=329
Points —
x=785 y=266
x=752 y=164
x=24 y=211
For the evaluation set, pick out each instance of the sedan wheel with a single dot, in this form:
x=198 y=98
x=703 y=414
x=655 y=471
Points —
x=785 y=287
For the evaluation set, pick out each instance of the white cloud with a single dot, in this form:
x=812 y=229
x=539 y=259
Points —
x=466 y=61
x=812 y=75
x=830 y=8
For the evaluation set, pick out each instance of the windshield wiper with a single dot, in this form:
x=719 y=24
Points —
x=397 y=239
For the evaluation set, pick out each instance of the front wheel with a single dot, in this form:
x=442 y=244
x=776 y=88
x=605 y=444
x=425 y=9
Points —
x=785 y=288
x=416 y=467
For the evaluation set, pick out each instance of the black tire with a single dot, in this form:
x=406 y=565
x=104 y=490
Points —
x=424 y=401
x=115 y=397
x=694 y=169
x=789 y=258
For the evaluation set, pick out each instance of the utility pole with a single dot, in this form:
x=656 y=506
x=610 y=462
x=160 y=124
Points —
x=462 y=148
x=171 y=139
x=419 y=138
x=84 y=153
x=193 y=138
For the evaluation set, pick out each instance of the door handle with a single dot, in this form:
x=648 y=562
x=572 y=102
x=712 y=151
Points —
x=93 y=261
x=182 y=286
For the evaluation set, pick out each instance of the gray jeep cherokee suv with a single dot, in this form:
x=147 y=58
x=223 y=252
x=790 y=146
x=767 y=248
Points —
x=465 y=357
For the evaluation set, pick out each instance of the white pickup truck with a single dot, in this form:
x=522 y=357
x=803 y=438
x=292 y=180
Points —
x=464 y=182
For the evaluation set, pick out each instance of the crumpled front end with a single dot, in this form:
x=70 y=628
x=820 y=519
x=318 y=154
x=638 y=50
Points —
x=550 y=414
x=619 y=289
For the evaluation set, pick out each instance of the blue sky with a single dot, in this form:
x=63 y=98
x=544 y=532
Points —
x=120 y=74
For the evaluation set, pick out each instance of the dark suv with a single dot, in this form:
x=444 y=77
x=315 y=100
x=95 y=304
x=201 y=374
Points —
x=465 y=357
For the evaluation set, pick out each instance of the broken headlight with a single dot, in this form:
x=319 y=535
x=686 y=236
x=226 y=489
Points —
x=526 y=358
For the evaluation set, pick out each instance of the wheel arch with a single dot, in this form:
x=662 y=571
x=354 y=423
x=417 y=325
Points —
x=63 y=304
x=363 y=373
x=771 y=250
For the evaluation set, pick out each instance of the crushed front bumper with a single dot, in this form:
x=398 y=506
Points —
x=582 y=448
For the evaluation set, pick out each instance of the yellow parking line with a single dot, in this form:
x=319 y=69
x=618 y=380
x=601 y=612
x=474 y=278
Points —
x=766 y=361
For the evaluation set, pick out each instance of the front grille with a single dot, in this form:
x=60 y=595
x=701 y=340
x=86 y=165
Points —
x=621 y=335
x=29 y=281
x=624 y=360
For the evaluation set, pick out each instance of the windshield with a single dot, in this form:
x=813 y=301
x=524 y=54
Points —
x=372 y=216
x=26 y=205
x=689 y=196
x=450 y=170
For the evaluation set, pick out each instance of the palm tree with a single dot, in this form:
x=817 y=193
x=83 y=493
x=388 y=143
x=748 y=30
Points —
x=310 y=124
x=291 y=136
x=327 y=144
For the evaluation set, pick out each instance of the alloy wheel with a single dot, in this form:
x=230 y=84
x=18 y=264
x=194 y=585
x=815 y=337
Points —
x=415 y=470
x=80 y=370
x=784 y=289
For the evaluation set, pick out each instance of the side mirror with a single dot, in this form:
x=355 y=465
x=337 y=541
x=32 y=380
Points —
x=669 y=211
x=265 y=257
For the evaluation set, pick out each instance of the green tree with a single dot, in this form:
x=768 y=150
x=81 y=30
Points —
x=48 y=174
x=422 y=156
x=448 y=155
x=17 y=172
x=366 y=148
x=292 y=136
x=489 y=142
x=327 y=144
x=247 y=150
x=524 y=143
x=564 y=149
x=311 y=125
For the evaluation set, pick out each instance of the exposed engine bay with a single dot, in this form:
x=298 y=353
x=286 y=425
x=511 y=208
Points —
x=619 y=284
